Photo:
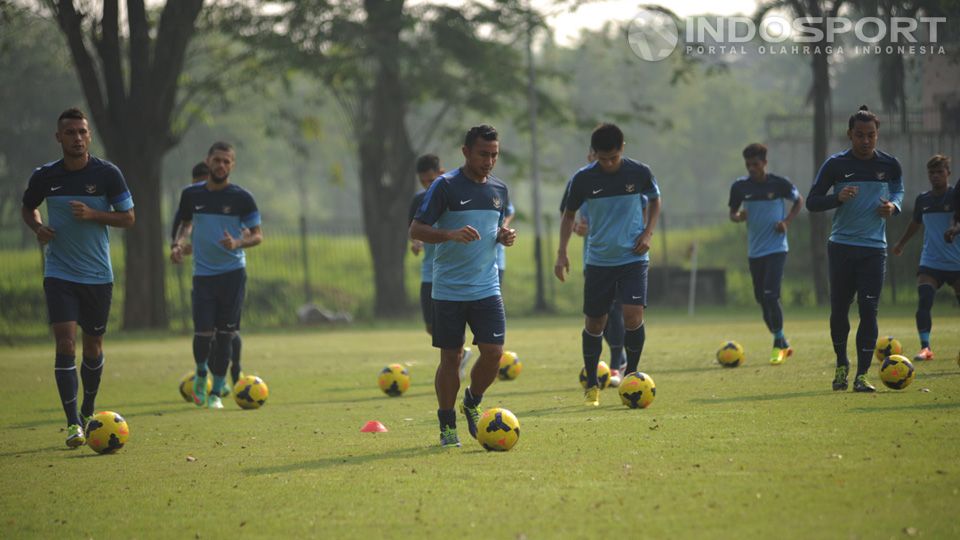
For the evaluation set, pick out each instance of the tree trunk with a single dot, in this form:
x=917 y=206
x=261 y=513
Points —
x=144 y=286
x=386 y=159
x=819 y=221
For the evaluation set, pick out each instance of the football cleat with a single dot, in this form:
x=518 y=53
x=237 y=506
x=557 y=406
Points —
x=924 y=354
x=214 y=402
x=840 y=379
x=199 y=391
x=449 y=438
x=75 y=436
x=473 y=417
x=779 y=356
x=591 y=396
x=860 y=384
x=615 y=378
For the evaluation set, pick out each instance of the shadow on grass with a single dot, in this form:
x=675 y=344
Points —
x=763 y=397
x=351 y=460
x=917 y=407
x=132 y=410
x=45 y=450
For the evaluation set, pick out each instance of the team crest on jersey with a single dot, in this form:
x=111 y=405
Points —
x=497 y=202
x=631 y=188
x=881 y=175
x=770 y=195
x=90 y=188
x=226 y=209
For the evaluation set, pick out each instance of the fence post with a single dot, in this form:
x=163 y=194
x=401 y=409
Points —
x=305 y=257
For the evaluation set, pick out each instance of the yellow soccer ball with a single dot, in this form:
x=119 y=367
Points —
x=394 y=380
x=510 y=366
x=637 y=390
x=250 y=392
x=886 y=346
x=897 y=372
x=603 y=375
x=107 y=432
x=730 y=354
x=498 y=430
x=186 y=386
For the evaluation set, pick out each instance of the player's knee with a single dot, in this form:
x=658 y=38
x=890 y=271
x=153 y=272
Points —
x=595 y=325
x=66 y=345
x=869 y=306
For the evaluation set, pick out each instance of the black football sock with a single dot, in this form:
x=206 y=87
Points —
x=90 y=371
x=65 y=372
x=592 y=347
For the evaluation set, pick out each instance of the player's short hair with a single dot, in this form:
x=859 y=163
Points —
x=606 y=137
x=863 y=114
x=428 y=162
x=72 y=113
x=755 y=150
x=938 y=161
x=221 y=146
x=200 y=170
x=483 y=131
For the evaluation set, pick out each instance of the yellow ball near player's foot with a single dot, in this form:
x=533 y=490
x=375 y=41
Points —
x=394 y=380
x=603 y=375
x=498 y=430
x=510 y=366
x=886 y=346
x=107 y=432
x=250 y=392
x=897 y=372
x=730 y=354
x=186 y=386
x=637 y=390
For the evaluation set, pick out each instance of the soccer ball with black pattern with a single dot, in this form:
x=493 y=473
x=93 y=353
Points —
x=498 y=430
x=731 y=354
x=107 y=432
x=394 y=380
x=603 y=375
x=186 y=386
x=897 y=372
x=510 y=366
x=250 y=392
x=637 y=390
x=886 y=346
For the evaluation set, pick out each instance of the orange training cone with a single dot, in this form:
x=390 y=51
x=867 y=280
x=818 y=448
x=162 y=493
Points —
x=373 y=427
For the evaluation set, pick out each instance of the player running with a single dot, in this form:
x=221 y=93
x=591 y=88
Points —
x=617 y=246
x=462 y=213
x=867 y=189
x=214 y=215
x=939 y=260
x=758 y=199
x=84 y=196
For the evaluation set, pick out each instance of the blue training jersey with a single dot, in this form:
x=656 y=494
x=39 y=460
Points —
x=429 y=250
x=230 y=209
x=465 y=272
x=80 y=250
x=616 y=209
x=764 y=203
x=856 y=222
x=935 y=213
x=502 y=249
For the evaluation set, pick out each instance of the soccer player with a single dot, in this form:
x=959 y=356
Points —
x=761 y=196
x=617 y=246
x=214 y=214
x=867 y=189
x=84 y=196
x=939 y=260
x=463 y=214
x=200 y=175
x=613 y=331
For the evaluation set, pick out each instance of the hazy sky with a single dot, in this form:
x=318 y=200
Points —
x=567 y=25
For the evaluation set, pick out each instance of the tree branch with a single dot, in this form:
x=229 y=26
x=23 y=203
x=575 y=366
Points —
x=139 y=43
x=108 y=48
x=177 y=25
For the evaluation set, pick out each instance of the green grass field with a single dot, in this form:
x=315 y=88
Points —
x=751 y=452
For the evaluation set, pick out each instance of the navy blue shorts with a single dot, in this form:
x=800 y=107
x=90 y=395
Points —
x=87 y=305
x=942 y=276
x=767 y=274
x=603 y=284
x=486 y=318
x=426 y=301
x=218 y=301
x=855 y=270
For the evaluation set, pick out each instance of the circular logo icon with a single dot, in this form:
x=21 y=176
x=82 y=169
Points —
x=652 y=35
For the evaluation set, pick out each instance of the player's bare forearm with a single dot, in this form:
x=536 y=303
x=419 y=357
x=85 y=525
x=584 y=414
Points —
x=795 y=209
x=654 y=213
x=908 y=234
x=183 y=233
x=427 y=233
x=252 y=238
x=566 y=231
x=120 y=220
x=31 y=217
